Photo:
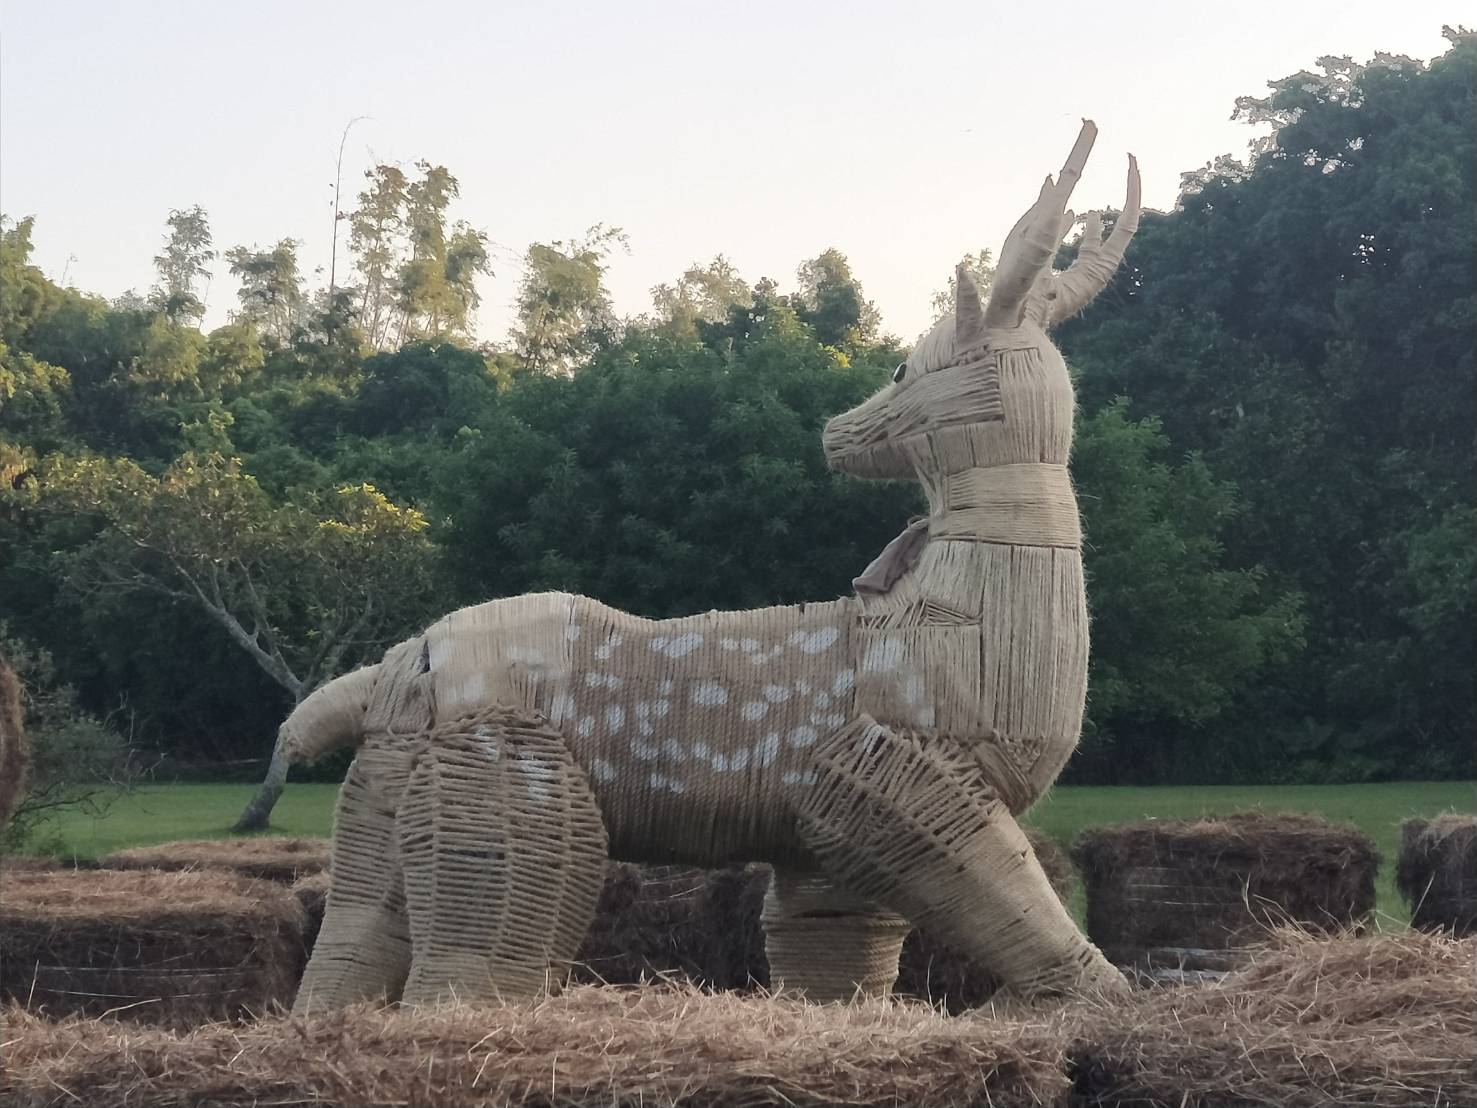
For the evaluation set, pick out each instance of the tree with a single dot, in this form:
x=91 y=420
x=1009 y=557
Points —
x=563 y=305
x=702 y=294
x=374 y=230
x=436 y=291
x=830 y=299
x=303 y=587
x=271 y=293
x=182 y=264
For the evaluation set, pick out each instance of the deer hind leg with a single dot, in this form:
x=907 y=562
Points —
x=911 y=821
x=504 y=852
x=363 y=948
x=826 y=942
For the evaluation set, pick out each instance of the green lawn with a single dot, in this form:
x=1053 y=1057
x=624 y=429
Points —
x=159 y=813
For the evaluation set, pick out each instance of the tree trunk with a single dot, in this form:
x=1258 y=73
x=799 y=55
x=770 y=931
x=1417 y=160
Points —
x=258 y=813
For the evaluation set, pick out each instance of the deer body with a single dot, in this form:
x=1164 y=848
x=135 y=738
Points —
x=876 y=748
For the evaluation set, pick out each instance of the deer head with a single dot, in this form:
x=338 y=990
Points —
x=949 y=404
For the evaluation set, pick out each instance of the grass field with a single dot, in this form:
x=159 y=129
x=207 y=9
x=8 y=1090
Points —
x=160 y=813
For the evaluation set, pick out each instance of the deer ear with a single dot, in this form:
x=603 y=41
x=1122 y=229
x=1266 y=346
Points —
x=969 y=316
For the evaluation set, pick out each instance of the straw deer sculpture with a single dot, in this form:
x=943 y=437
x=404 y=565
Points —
x=876 y=749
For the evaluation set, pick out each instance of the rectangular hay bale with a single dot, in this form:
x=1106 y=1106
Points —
x=151 y=946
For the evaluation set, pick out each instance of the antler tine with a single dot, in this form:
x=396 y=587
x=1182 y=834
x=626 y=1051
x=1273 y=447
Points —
x=1097 y=261
x=1033 y=240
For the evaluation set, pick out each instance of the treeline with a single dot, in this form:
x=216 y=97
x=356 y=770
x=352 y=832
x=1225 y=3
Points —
x=1274 y=453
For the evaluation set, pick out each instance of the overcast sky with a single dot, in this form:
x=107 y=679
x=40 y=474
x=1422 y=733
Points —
x=904 y=134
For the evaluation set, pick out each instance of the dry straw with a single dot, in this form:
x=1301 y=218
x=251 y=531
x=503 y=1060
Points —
x=1221 y=882
x=153 y=946
x=274 y=858
x=1386 y=1022
x=1437 y=872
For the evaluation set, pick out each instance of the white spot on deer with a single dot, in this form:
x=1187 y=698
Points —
x=603 y=770
x=823 y=699
x=835 y=719
x=661 y=708
x=844 y=681
x=702 y=751
x=813 y=642
x=802 y=736
x=720 y=762
x=769 y=748
x=883 y=656
x=671 y=784
x=604 y=680
x=645 y=727
x=666 y=687
x=776 y=694
x=586 y=727
x=740 y=759
x=913 y=688
x=643 y=710
x=646 y=751
x=615 y=717
x=572 y=632
x=679 y=646
x=754 y=709
x=673 y=750
x=709 y=694
x=750 y=645
x=561 y=709
x=607 y=648
x=802 y=687
x=728 y=644
x=795 y=777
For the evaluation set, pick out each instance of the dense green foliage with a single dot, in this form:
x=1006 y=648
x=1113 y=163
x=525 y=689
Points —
x=1274 y=455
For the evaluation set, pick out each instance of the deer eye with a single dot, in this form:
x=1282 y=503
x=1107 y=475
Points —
x=899 y=373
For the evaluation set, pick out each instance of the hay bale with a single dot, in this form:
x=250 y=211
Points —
x=1437 y=872
x=1220 y=883
x=270 y=857
x=1387 y=1020
x=591 y=1047
x=311 y=893
x=172 y=948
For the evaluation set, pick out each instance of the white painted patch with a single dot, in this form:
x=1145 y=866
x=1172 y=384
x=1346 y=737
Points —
x=776 y=694
x=679 y=646
x=769 y=748
x=843 y=682
x=728 y=644
x=671 y=784
x=586 y=727
x=750 y=645
x=803 y=736
x=883 y=656
x=615 y=717
x=813 y=642
x=603 y=770
x=754 y=709
x=709 y=694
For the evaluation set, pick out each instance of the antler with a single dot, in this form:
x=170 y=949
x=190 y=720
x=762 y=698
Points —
x=1097 y=260
x=1033 y=240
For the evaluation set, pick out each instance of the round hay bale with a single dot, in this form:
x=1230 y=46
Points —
x=1437 y=872
x=271 y=857
x=173 y=948
x=1162 y=892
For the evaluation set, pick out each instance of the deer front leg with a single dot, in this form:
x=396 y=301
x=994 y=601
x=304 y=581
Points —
x=827 y=943
x=363 y=948
x=910 y=821
x=504 y=853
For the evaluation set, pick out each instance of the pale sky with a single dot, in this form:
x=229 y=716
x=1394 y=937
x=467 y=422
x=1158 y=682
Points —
x=905 y=134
